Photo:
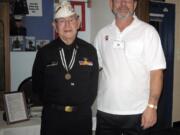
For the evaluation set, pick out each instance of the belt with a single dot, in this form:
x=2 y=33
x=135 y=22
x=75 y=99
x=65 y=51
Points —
x=67 y=108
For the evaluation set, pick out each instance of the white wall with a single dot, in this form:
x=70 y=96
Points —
x=21 y=67
x=101 y=15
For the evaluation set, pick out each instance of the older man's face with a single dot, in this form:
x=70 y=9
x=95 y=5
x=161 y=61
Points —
x=123 y=8
x=67 y=27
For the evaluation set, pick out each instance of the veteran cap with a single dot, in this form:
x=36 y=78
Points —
x=64 y=9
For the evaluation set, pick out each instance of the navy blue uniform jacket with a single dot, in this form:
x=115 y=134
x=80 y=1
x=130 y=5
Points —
x=48 y=74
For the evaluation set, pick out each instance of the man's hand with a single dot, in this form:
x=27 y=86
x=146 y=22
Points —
x=149 y=118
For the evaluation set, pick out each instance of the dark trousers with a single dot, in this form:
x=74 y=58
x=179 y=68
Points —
x=108 y=124
x=58 y=122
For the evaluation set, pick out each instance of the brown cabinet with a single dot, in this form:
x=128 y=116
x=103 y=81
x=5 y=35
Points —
x=142 y=10
x=4 y=50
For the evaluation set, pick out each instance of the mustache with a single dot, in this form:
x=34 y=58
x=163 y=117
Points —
x=120 y=15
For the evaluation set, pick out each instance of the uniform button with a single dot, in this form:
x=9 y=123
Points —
x=72 y=83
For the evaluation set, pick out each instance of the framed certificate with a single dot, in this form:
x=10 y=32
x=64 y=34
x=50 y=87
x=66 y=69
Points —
x=15 y=107
x=79 y=7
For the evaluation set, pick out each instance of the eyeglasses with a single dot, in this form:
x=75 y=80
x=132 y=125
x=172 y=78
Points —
x=63 y=21
x=127 y=1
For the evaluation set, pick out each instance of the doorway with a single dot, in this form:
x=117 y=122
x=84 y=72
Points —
x=162 y=17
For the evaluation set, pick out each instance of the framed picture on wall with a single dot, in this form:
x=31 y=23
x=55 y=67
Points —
x=17 y=43
x=79 y=7
x=30 y=43
x=41 y=43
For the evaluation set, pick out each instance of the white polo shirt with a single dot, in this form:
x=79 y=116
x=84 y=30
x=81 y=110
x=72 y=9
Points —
x=127 y=58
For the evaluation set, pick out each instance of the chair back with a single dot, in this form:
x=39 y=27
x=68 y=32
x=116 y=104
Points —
x=30 y=96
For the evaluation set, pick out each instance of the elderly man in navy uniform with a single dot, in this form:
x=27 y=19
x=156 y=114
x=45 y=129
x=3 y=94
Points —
x=65 y=76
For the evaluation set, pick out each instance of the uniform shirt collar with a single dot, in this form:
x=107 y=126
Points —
x=65 y=46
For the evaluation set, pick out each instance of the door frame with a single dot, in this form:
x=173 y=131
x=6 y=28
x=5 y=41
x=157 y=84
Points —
x=4 y=17
x=165 y=13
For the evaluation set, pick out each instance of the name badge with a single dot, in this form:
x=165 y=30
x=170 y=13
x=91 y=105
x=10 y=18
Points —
x=119 y=44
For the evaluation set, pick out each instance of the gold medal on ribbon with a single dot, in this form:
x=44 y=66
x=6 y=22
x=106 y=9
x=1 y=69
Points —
x=68 y=67
x=67 y=76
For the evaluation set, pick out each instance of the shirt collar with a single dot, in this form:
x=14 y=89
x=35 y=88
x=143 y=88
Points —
x=133 y=23
x=64 y=46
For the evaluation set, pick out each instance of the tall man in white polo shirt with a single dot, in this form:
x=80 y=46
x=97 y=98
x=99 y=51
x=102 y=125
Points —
x=130 y=83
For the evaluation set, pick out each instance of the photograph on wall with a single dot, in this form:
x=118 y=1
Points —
x=35 y=7
x=17 y=43
x=30 y=43
x=41 y=43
